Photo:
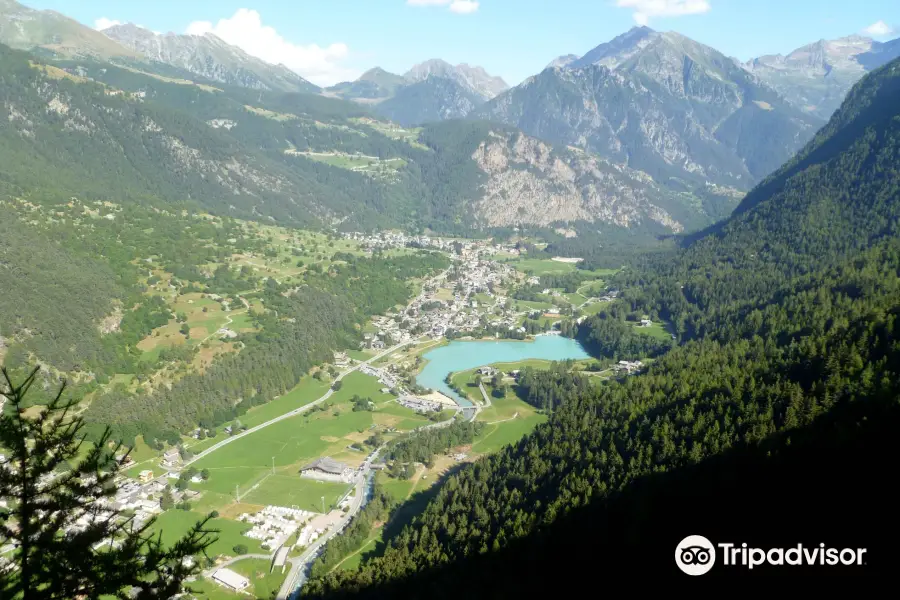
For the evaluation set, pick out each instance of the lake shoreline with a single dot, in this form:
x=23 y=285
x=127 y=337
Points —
x=463 y=355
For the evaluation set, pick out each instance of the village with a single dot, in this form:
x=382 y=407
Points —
x=465 y=299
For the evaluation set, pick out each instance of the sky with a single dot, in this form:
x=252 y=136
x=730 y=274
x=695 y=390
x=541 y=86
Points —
x=328 y=41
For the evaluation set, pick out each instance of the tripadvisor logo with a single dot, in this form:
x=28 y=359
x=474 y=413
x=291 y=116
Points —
x=696 y=555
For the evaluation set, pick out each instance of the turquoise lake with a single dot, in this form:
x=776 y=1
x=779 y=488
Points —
x=462 y=356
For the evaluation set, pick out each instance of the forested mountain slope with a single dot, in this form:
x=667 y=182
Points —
x=763 y=495
x=109 y=145
x=789 y=321
x=429 y=100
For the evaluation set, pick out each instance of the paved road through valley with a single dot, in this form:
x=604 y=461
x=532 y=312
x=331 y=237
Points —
x=296 y=411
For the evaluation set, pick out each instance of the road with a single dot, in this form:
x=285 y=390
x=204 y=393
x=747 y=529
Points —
x=296 y=411
x=484 y=394
x=301 y=564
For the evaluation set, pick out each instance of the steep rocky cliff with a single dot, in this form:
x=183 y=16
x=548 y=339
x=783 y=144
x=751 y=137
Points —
x=529 y=182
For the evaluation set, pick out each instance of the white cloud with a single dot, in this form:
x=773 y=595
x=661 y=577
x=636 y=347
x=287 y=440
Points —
x=104 y=23
x=463 y=7
x=321 y=65
x=644 y=10
x=460 y=7
x=879 y=29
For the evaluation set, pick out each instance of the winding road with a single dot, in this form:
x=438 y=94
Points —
x=296 y=411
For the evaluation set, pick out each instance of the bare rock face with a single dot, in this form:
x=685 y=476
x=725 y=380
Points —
x=531 y=183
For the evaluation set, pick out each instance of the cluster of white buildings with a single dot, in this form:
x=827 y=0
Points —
x=383 y=376
x=628 y=366
x=384 y=240
x=434 y=316
x=142 y=499
x=420 y=405
x=273 y=525
x=433 y=313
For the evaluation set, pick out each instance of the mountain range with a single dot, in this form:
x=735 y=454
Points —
x=817 y=77
x=661 y=103
x=649 y=128
x=430 y=91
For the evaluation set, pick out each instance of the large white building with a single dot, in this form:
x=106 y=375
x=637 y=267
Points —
x=231 y=580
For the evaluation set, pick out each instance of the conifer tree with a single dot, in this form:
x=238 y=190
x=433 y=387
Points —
x=69 y=541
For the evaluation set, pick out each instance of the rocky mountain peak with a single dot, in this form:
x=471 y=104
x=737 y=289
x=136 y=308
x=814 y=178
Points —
x=620 y=48
x=561 y=62
x=374 y=74
x=474 y=78
x=434 y=67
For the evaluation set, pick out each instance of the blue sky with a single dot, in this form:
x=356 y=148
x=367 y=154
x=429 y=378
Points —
x=332 y=40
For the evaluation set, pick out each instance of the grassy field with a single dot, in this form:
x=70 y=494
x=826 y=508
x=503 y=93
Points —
x=394 y=131
x=538 y=266
x=508 y=407
x=303 y=393
x=293 y=490
x=354 y=162
x=657 y=330
x=275 y=116
x=508 y=418
x=262 y=583
x=141 y=450
x=484 y=299
x=398 y=488
x=594 y=287
x=352 y=562
x=542 y=320
x=593 y=309
x=173 y=524
x=242 y=322
x=298 y=440
x=495 y=436
x=532 y=305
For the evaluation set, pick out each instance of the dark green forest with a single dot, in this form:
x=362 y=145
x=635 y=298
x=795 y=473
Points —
x=788 y=317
